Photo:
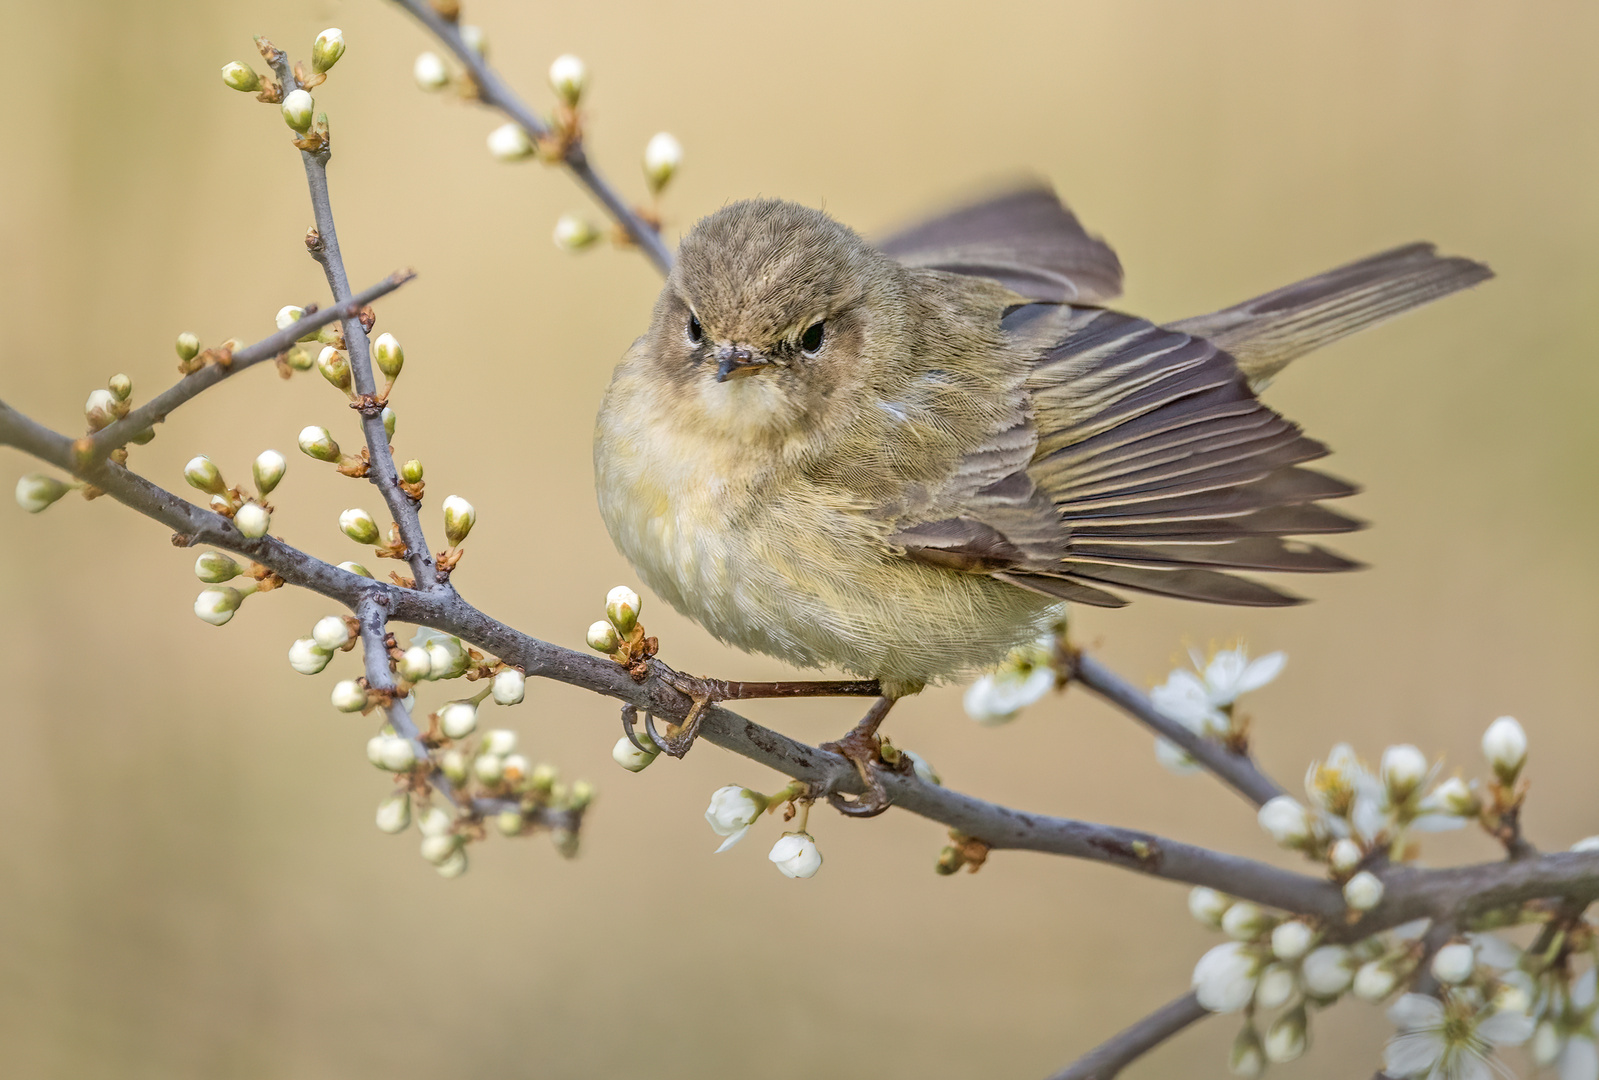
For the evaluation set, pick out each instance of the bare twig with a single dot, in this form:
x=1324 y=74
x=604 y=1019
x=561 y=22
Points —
x=1120 y=1050
x=494 y=92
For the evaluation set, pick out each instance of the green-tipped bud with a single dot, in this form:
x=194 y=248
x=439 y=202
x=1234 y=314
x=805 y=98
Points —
x=472 y=37
x=330 y=334
x=188 y=347
x=447 y=658
x=430 y=72
x=411 y=472
x=217 y=604
x=453 y=764
x=348 y=696
x=582 y=795
x=1248 y=1057
x=299 y=358
x=389 y=420
x=36 y=491
x=459 y=517
x=307 y=657
x=326 y=49
x=488 y=768
x=298 y=107
x=356 y=569
x=252 y=520
x=335 y=367
x=569 y=76
x=394 y=813
x=415 y=665
x=542 y=777
x=388 y=355
x=662 y=156
x=241 y=77
x=631 y=757
x=509 y=822
x=121 y=387
x=317 y=442
x=289 y=315
x=622 y=608
x=99 y=408
x=358 y=525
x=213 y=568
x=458 y=719
x=574 y=232
x=602 y=637
x=268 y=468
x=509 y=142
x=203 y=475
x=499 y=741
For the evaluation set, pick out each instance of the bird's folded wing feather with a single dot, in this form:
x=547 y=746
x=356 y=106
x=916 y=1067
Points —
x=1022 y=238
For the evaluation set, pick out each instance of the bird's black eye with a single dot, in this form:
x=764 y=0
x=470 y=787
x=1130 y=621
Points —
x=811 y=340
x=696 y=333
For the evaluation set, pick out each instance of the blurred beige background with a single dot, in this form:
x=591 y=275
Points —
x=191 y=882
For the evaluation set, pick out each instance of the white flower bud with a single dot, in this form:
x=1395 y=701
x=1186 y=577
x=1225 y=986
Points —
x=796 y=855
x=335 y=367
x=268 y=468
x=394 y=813
x=36 y=491
x=488 y=768
x=1453 y=797
x=1291 y=940
x=509 y=142
x=446 y=657
x=459 y=517
x=435 y=822
x=252 y=520
x=662 y=156
x=472 y=37
x=458 y=719
x=317 y=442
x=299 y=358
x=1403 y=769
x=452 y=763
x=97 y=410
x=1245 y=921
x=1247 y=1059
x=574 y=232
x=348 y=696
x=454 y=866
x=356 y=569
x=516 y=768
x=1224 y=978
x=358 y=525
x=331 y=633
x=297 y=109
x=374 y=749
x=389 y=420
x=307 y=657
x=733 y=809
x=509 y=822
x=1374 y=981
x=213 y=568
x=121 y=387
x=188 y=346
x=923 y=769
x=1285 y=1039
x=622 y=607
x=630 y=757
x=436 y=849
x=1363 y=891
x=1277 y=985
x=217 y=604
x=330 y=334
x=430 y=72
x=510 y=686
x=581 y=795
x=1327 y=971
x=397 y=754
x=388 y=355
x=1504 y=744
x=288 y=315
x=500 y=741
x=326 y=49
x=602 y=637
x=415 y=665
x=1454 y=963
x=1344 y=855
x=411 y=472
x=241 y=77
x=1286 y=821
x=204 y=476
x=1207 y=905
x=568 y=78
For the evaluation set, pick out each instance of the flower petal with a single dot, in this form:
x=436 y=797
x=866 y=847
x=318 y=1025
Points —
x=1261 y=671
x=1506 y=1028
x=1579 y=1060
x=1582 y=991
x=1415 y=1012
x=1407 y=1055
x=732 y=839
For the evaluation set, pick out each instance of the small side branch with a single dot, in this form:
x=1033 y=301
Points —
x=1122 y=1049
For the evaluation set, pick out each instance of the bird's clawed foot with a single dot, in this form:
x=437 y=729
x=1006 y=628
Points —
x=702 y=692
x=863 y=749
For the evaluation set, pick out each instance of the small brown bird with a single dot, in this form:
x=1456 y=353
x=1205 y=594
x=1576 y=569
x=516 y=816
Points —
x=899 y=459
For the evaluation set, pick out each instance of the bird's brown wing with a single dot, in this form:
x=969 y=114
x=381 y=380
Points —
x=1022 y=238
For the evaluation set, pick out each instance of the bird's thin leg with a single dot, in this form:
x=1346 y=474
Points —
x=707 y=692
x=861 y=747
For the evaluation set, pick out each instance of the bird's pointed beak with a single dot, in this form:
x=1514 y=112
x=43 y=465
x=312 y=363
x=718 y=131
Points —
x=736 y=361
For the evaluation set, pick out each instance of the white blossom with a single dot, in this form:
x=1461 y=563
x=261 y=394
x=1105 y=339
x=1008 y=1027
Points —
x=1504 y=744
x=396 y=754
x=1230 y=674
x=732 y=811
x=1374 y=981
x=326 y=49
x=1286 y=820
x=297 y=109
x=622 y=608
x=1245 y=921
x=568 y=78
x=459 y=517
x=1247 y=1059
x=796 y=855
x=1344 y=855
x=501 y=741
x=1403 y=769
x=1448 y=1040
x=488 y=768
x=923 y=768
x=663 y=155
x=414 y=664
x=1225 y=977
x=510 y=686
x=1026 y=675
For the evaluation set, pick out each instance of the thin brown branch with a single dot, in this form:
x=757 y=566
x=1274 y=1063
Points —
x=1120 y=1050
x=493 y=91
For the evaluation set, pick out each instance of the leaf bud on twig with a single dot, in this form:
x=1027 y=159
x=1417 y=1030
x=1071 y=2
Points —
x=121 y=387
x=411 y=472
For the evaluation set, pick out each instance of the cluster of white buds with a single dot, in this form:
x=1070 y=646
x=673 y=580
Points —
x=331 y=634
x=796 y=855
x=663 y=155
x=252 y=517
x=1202 y=699
x=109 y=404
x=391 y=752
x=1027 y=674
x=734 y=809
x=441 y=844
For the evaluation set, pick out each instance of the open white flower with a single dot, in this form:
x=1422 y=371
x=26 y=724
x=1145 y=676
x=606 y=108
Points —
x=796 y=855
x=1449 y=1040
x=732 y=811
x=1025 y=677
x=1230 y=674
x=1225 y=977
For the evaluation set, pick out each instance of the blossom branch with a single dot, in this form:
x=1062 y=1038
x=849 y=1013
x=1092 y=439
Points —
x=1122 y=1049
x=493 y=91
